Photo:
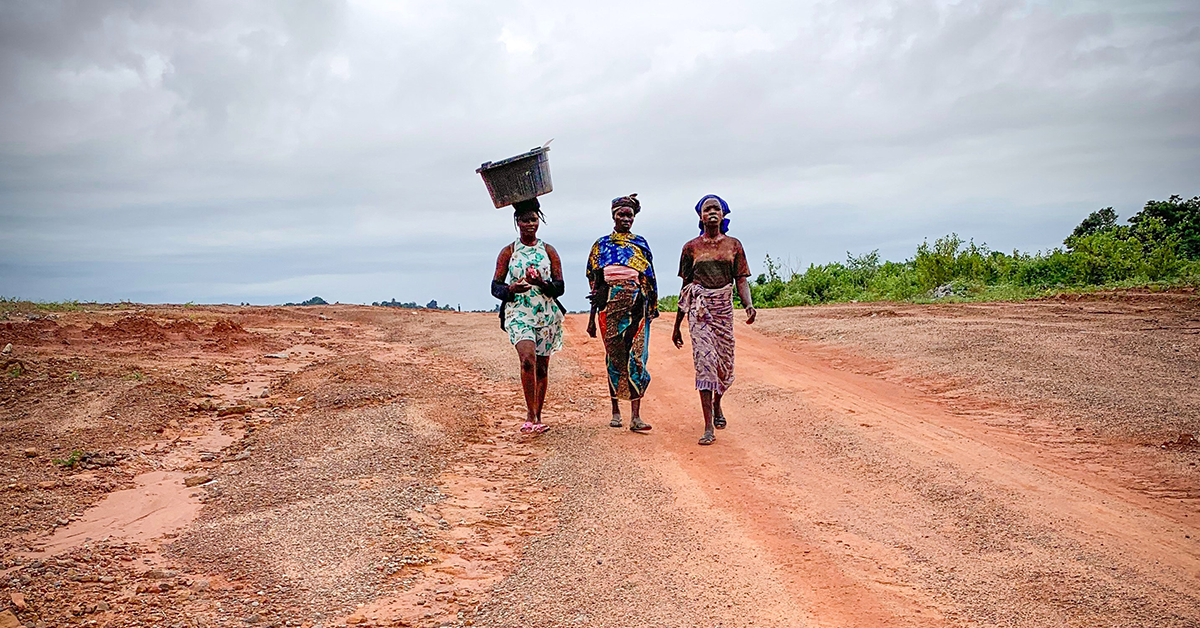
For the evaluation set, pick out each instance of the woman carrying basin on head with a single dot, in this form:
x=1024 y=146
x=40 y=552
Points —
x=710 y=265
x=528 y=282
x=620 y=270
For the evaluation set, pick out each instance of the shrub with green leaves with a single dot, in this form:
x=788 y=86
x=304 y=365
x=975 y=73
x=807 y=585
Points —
x=1160 y=245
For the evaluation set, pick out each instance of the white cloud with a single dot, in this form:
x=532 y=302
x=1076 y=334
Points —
x=514 y=43
x=236 y=147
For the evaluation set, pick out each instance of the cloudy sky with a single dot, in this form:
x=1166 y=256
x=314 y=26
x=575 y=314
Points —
x=271 y=151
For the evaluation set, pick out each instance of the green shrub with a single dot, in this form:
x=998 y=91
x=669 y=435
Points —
x=1160 y=247
x=70 y=461
x=1103 y=257
x=1043 y=271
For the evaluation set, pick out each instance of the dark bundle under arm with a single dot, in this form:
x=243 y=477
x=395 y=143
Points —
x=500 y=291
x=554 y=288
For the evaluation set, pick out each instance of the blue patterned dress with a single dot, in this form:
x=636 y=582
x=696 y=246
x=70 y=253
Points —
x=626 y=309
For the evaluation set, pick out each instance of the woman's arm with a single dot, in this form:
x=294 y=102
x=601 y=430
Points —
x=677 y=334
x=591 y=326
x=652 y=292
x=743 y=288
x=501 y=290
x=741 y=270
x=685 y=271
x=555 y=287
x=596 y=297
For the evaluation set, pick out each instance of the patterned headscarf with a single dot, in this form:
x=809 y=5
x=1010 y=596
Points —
x=724 y=211
x=628 y=201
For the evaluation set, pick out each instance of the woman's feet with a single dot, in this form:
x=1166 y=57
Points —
x=529 y=427
x=616 y=421
x=708 y=438
x=638 y=425
x=719 y=422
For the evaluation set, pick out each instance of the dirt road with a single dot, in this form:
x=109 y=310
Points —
x=870 y=475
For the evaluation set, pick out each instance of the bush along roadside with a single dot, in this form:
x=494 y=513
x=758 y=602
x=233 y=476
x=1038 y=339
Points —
x=1160 y=247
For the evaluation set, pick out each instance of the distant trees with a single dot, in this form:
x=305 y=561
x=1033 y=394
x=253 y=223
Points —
x=413 y=305
x=1099 y=220
x=312 y=301
x=1180 y=219
x=1159 y=223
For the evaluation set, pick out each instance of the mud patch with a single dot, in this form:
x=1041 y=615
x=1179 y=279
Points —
x=158 y=505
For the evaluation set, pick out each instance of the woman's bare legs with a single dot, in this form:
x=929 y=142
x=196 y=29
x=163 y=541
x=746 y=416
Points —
x=636 y=423
x=543 y=374
x=718 y=415
x=635 y=411
x=529 y=379
x=706 y=405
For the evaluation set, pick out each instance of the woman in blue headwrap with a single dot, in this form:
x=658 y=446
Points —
x=710 y=265
x=620 y=270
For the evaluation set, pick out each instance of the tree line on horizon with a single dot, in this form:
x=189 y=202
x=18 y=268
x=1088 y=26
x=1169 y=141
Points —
x=1159 y=246
x=413 y=305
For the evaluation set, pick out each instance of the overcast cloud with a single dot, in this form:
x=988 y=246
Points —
x=272 y=151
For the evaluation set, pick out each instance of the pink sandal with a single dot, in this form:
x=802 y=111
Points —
x=527 y=427
x=540 y=428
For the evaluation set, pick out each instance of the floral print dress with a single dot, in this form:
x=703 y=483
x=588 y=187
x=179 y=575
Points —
x=531 y=315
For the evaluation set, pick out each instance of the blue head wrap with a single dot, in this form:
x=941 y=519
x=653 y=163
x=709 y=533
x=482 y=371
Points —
x=724 y=211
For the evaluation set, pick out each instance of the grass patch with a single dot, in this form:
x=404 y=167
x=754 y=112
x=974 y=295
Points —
x=46 y=306
x=70 y=461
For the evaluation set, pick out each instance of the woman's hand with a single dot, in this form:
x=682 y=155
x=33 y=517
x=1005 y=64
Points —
x=534 y=278
x=677 y=337
x=591 y=328
x=743 y=287
x=519 y=286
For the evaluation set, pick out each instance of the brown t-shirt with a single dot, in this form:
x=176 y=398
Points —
x=713 y=263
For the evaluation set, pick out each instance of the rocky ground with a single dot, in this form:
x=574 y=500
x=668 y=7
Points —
x=1024 y=464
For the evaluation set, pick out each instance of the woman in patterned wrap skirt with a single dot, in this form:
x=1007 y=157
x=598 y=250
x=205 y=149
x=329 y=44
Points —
x=710 y=265
x=620 y=270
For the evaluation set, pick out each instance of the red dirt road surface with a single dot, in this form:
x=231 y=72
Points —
x=1029 y=464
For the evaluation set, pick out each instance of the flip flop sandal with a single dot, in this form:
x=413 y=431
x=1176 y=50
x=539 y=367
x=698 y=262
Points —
x=616 y=422
x=637 y=425
x=526 y=427
x=540 y=428
x=708 y=439
x=719 y=422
